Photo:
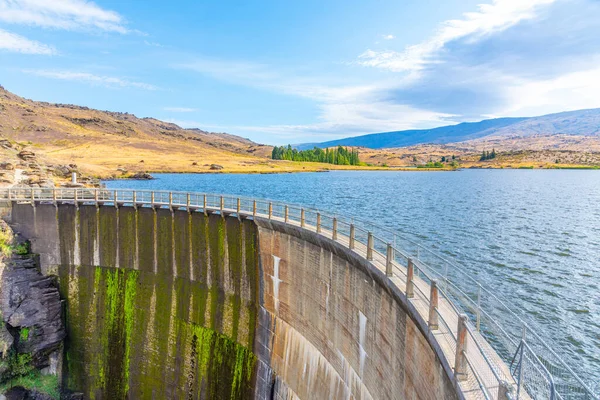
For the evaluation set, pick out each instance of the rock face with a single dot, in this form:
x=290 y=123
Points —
x=20 y=393
x=26 y=155
x=142 y=176
x=31 y=307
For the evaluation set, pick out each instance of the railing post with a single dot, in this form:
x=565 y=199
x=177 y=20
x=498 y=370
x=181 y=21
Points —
x=188 y=202
x=287 y=215
x=152 y=200
x=433 y=306
x=478 y=306
x=460 y=360
x=54 y=195
x=370 y=246
x=95 y=197
x=222 y=206
x=334 y=229
x=503 y=390
x=115 y=197
x=351 y=238
x=134 y=199
x=9 y=194
x=33 y=197
x=318 y=222
x=170 y=200
x=388 y=260
x=270 y=210
x=302 y=218
x=75 y=199
x=239 y=207
x=254 y=208
x=204 y=205
x=410 y=271
x=521 y=360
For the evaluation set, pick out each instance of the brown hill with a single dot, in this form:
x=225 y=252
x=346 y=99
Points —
x=107 y=144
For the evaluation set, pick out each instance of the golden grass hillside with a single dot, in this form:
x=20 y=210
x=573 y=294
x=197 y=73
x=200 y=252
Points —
x=108 y=144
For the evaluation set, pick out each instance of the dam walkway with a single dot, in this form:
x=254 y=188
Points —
x=491 y=351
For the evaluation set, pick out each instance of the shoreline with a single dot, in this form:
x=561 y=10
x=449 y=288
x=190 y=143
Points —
x=389 y=169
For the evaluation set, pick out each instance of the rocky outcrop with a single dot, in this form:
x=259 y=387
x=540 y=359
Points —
x=216 y=167
x=26 y=155
x=20 y=393
x=142 y=176
x=32 y=310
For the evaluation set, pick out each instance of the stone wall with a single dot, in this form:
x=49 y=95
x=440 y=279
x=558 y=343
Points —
x=171 y=304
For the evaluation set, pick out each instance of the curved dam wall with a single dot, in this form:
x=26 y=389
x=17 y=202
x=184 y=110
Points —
x=169 y=304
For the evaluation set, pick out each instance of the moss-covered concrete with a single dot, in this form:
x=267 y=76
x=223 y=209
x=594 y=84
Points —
x=170 y=309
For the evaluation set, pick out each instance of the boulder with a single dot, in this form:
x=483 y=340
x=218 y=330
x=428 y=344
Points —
x=6 y=144
x=7 y=166
x=26 y=155
x=142 y=176
x=63 y=171
x=216 y=167
x=20 y=393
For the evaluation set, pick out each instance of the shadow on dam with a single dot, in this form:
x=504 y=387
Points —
x=173 y=304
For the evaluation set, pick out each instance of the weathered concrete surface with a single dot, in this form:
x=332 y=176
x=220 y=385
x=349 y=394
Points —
x=170 y=304
x=335 y=330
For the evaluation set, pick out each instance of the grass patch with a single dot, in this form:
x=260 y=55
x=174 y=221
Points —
x=20 y=372
x=5 y=240
x=22 y=248
x=526 y=167
x=47 y=384
x=432 y=164
x=24 y=334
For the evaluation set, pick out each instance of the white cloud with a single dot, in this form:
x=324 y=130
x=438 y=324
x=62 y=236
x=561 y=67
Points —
x=13 y=42
x=570 y=91
x=85 y=77
x=180 y=109
x=344 y=110
x=489 y=19
x=388 y=37
x=61 y=14
x=153 y=44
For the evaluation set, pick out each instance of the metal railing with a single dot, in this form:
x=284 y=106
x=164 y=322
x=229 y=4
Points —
x=505 y=356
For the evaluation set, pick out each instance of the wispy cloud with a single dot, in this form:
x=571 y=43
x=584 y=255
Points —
x=489 y=19
x=180 y=109
x=62 y=14
x=344 y=109
x=15 y=43
x=508 y=58
x=388 y=37
x=88 y=78
x=152 y=44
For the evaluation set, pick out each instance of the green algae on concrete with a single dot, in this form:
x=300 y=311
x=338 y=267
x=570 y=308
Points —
x=190 y=306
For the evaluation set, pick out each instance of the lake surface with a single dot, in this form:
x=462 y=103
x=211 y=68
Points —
x=532 y=236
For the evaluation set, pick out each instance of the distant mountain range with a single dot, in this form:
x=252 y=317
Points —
x=575 y=123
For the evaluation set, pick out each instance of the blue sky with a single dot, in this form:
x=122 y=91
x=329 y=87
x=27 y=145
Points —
x=289 y=72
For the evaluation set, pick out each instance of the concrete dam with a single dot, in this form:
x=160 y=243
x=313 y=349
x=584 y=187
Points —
x=193 y=296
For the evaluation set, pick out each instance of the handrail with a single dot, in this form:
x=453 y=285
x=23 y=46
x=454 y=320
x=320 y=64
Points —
x=339 y=229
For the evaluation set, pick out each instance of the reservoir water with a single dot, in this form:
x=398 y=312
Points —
x=532 y=236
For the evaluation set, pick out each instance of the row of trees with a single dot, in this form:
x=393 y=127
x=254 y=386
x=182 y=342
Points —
x=486 y=155
x=338 y=156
